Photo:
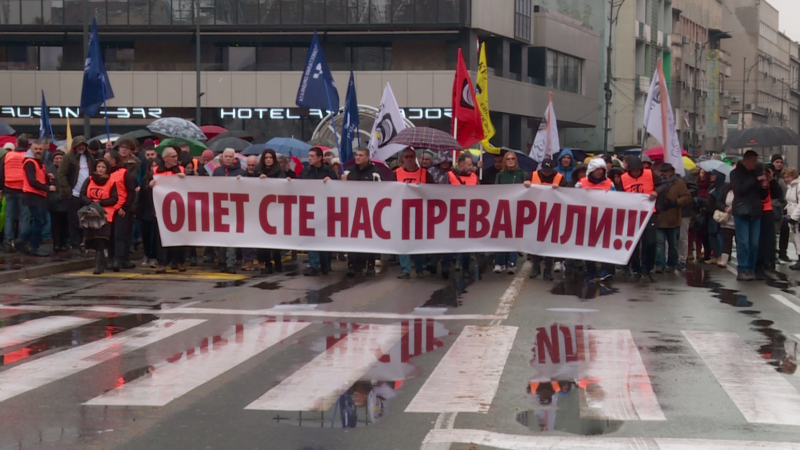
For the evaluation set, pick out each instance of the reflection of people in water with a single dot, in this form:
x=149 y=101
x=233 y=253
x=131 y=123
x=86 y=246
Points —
x=364 y=394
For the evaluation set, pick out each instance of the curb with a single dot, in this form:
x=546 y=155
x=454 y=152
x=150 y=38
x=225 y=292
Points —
x=45 y=270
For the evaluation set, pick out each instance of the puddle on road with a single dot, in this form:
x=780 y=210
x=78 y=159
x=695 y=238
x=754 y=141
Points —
x=584 y=291
x=324 y=295
x=85 y=334
x=701 y=279
x=779 y=351
x=267 y=286
x=227 y=284
x=370 y=398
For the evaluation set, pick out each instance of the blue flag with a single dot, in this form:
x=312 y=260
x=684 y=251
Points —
x=96 y=87
x=44 y=121
x=350 y=122
x=317 y=89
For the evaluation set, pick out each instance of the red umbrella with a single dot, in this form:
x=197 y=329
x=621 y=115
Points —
x=6 y=139
x=212 y=130
x=658 y=153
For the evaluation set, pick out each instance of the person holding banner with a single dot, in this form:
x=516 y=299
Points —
x=363 y=170
x=269 y=167
x=597 y=179
x=177 y=255
x=411 y=173
x=546 y=175
x=100 y=188
x=462 y=176
x=510 y=173
x=318 y=262
x=230 y=168
x=638 y=180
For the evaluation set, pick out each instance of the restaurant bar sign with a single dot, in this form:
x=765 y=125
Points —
x=297 y=113
x=24 y=112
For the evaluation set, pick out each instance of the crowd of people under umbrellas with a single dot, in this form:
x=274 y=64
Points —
x=697 y=216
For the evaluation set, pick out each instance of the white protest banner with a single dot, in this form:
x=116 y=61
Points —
x=399 y=218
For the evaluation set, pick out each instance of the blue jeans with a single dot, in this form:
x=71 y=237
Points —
x=34 y=233
x=668 y=236
x=16 y=213
x=405 y=263
x=46 y=236
x=748 y=232
x=505 y=258
x=317 y=259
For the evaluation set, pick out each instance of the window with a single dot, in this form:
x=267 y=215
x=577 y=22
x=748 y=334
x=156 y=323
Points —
x=522 y=20
x=32 y=12
x=313 y=11
x=380 y=11
x=403 y=11
x=768 y=33
x=138 y=12
x=274 y=58
x=22 y=57
x=270 y=11
x=369 y=58
x=50 y=58
x=160 y=12
x=424 y=11
x=118 y=58
x=336 y=11
x=449 y=11
x=236 y=59
x=291 y=12
x=564 y=72
x=298 y=58
x=357 y=11
x=118 y=12
x=9 y=12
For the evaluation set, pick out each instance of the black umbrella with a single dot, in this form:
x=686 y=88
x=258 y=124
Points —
x=761 y=136
x=5 y=129
x=137 y=135
x=218 y=145
x=241 y=134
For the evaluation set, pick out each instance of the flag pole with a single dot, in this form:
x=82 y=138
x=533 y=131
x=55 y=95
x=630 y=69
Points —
x=455 y=136
x=105 y=106
x=481 y=161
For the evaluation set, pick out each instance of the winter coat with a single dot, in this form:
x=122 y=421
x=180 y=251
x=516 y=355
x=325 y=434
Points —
x=368 y=173
x=69 y=169
x=748 y=192
x=489 y=174
x=566 y=171
x=694 y=190
x=725 y=200
x=276 y=171
x=318 y=173
x=793 y=200
x=55 y=202
x=439 y=175
x=672 y=199
x=517 y=176
x=233 y=171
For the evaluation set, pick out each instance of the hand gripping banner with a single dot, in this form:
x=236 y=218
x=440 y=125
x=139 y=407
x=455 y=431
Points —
x=398 y=218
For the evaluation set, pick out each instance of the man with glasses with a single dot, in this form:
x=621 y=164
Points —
x=411 y=173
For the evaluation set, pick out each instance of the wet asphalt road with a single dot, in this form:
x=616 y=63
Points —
x=290 y=362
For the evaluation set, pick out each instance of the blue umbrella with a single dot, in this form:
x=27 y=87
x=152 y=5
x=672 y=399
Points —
x=526 y=163
x=255 y=149
x=289 y=146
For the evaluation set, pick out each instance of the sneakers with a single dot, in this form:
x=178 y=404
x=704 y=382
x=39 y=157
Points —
x=267 y=270
x=153 y=263
x=659 y=270
x=230 y=270
x=351 y=273
x=145 y=261
x=548 y=276
x=311 y=272
x=784 y=258
x=499 y=269
x=635 y=277
x=512 y=269
x=404 y=276
x=420 y=274
x=8 y=248
x=370 y=271
x=535 y=271
x=39 y=252
x=681 y=267
x=711 y=261
x=652 y=277
x=723 y=261
x=558 y=267
x=795 y=266
x=606 y=276
x=745 y=276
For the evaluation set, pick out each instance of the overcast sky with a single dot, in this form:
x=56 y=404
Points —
x=790 y=11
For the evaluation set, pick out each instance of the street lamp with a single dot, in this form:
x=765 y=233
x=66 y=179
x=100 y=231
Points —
x=746 y=77
x=698 y=51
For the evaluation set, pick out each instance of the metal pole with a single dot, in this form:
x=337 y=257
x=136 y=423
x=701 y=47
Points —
x=744 y=89
x=197 y=113
x=87 y=126
x=606 y=127
x=698 y=51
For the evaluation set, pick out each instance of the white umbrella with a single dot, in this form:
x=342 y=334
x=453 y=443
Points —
x=713 y=164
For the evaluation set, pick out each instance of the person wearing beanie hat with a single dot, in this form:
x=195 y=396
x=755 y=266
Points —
x=638 y=180
x=597 y=180
x=647 y=163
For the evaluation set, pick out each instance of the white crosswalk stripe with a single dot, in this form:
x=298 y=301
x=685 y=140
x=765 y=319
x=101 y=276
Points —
x=38 y=328
x=28 y=376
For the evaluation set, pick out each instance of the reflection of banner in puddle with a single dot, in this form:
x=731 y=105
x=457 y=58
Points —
x=560 y=350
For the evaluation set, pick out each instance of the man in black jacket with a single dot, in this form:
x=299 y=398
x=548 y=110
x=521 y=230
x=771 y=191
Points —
x=317 y=170
x=766 y=259
x=363 y=170
x=230 y=168
x=74 y=170
x=749 y=190
x=119 y=249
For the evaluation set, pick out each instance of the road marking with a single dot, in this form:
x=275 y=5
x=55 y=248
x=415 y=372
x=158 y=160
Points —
x=199 y=275
x=318 y=384
x=743 y=375
x=170 y=380
x=29 y=376
x=619 y=367
x=39 y=328
x=254 y=312
x=515 y=442
x=576 y=310
x=787 y=302
x=466 y=379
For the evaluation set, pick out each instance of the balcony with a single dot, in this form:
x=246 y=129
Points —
x=642 y=84
x=642 y=31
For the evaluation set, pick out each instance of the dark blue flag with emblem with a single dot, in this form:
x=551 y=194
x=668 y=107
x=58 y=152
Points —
x=317 y=89
x=96 y=87
x=45 y=128
x=350 y=122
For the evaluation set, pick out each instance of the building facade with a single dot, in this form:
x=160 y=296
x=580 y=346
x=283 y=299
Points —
x=762 y=61
x=252 y=53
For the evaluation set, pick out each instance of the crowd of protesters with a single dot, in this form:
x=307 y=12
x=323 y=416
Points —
x=697 y=217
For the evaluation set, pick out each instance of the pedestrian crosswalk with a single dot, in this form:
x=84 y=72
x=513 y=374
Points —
x=367 y=364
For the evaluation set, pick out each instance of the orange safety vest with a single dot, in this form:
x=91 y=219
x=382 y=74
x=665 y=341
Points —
x=642 y=185
x=12 y=166
x=95 y=192
x=605 y=185
x=40 y=177
x=538 y=180
x=415 y=177
x=182 y=170
x=767 y=203
x=118 y=177
x=455 y=179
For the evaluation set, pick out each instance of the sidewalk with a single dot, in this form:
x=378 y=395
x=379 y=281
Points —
x=16 y=266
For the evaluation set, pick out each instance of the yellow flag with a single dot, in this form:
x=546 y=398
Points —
x=482 y=96
x=69 y=135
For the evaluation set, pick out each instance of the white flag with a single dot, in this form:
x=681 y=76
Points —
x=546 y=142
x=659 y=120
x=388 y=123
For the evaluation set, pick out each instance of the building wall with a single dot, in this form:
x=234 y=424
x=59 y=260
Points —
x=495 y=16
x=625 y=72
